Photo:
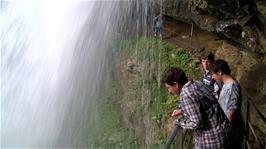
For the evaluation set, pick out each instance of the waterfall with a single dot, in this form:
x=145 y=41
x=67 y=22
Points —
x=56 y=62
x=54 y=59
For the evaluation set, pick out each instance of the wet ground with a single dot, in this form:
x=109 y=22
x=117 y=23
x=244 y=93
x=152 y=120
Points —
x=190 y=36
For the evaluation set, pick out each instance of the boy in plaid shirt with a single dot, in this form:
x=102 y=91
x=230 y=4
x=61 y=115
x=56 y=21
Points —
x=200 y=111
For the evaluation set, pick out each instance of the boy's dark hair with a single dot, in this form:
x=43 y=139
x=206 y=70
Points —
x=207 y=55
x=175 y=74
x=221 y=66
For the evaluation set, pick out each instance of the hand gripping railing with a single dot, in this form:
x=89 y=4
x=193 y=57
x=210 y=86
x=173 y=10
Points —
x=248 y=128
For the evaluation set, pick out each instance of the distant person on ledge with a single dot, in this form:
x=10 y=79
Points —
x=230 y=100
x=199 y=110
x=158 y=25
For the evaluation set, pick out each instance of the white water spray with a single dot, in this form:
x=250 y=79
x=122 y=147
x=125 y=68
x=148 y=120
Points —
x=53 y=57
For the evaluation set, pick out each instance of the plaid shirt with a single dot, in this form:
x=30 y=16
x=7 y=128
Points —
x=202 y=113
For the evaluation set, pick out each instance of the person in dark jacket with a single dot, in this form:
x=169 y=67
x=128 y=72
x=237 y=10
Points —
x=207 y=59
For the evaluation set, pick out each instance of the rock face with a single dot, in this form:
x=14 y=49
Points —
x=233 y=30
x=239 y=21
x=240 y=26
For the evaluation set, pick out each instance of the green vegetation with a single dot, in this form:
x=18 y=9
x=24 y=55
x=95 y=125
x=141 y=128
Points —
x=157 y=57
x=145 y=61
x=109 y=130
x=136 y=99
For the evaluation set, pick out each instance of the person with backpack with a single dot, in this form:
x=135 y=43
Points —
x=199 y=111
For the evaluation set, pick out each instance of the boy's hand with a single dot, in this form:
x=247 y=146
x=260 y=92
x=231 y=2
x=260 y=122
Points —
x=176 y=112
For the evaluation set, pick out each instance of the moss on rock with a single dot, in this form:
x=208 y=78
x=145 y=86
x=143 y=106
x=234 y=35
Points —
x=145 y=103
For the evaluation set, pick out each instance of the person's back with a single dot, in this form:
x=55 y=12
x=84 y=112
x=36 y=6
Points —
x=159 y=23
x=202 y=113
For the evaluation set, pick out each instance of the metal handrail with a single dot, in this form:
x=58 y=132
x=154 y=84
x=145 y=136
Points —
x=248 y=128
x=258 y=111
x=171 y=137
x=248 y=125
x=181 y=142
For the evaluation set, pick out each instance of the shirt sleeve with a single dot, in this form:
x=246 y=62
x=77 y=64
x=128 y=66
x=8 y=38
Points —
x=191 y=112
x=234 y=99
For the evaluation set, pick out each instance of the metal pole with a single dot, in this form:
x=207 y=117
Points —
x=246 y=126
x=171 y=137
x=191 y=31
